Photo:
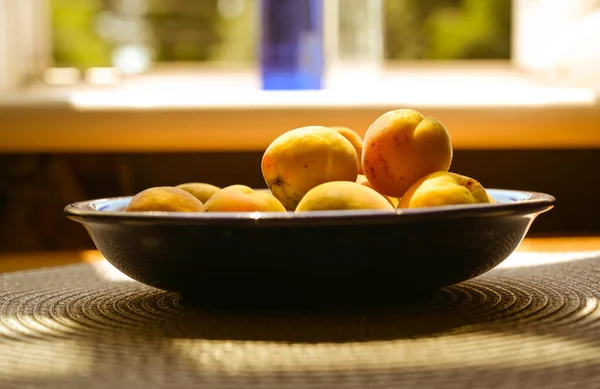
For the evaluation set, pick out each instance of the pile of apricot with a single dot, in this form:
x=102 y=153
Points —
x=403 y=161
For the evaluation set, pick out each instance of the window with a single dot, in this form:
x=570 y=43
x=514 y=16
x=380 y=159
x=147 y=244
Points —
x=135 y=36
x=95 y=33
x=559 y=39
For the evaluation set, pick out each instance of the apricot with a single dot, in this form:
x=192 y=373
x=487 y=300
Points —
x=338 y=195
x=444 y=188
x=400 y=147
x=242 y=198
x=355 y=139
x=202 y=191
x=362 y=180
x=302 y=158
x=165 y=199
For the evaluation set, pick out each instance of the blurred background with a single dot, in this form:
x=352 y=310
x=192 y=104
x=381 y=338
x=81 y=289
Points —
x=99 y=42
x=92 y=33
x=48 y=47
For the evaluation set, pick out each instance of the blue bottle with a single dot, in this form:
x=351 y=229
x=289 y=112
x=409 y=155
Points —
x=291 y=44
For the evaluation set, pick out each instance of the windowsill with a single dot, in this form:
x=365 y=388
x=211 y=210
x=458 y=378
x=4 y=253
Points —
x=483 y=106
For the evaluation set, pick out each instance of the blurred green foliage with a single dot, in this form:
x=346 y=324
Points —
x=447 y=29
x=193 y=30
x=181 y=30
x=75 y=41
x=184 y=30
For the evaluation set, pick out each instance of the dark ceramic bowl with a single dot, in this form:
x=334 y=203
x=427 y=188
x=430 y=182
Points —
x=315 y=256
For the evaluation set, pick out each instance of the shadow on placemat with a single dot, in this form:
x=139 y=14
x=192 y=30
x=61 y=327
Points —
x=345 y=323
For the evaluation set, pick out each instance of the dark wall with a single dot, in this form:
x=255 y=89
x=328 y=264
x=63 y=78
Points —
x=35 y=188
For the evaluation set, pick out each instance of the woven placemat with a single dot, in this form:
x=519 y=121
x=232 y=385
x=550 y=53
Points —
x=530 y=323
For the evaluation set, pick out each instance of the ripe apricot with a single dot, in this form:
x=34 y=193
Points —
x=302 y=158
x=242 y=198
x=165 y=199
x=337 y=195
x=400 y=147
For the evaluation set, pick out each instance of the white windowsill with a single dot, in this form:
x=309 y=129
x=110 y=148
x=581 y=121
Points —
x=483 y=106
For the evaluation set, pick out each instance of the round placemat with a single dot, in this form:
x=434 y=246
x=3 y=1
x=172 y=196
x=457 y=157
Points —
x=531 y=323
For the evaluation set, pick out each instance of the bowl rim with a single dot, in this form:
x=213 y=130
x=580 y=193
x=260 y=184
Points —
x=531 y=203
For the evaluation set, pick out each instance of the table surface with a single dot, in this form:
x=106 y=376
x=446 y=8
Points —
x=533 y=322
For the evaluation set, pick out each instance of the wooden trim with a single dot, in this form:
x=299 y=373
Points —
x=560 y=244
x=10 y=262
x=66 y=129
